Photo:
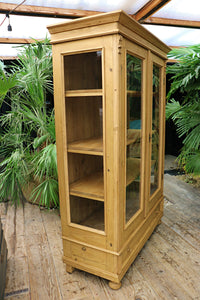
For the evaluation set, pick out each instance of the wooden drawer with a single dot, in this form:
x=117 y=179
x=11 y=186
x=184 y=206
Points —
x=84 y=254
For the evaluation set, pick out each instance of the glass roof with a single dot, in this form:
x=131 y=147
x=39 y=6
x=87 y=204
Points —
x=35 y=27
x=180 y=9
x=130 y=6
x=175 y=36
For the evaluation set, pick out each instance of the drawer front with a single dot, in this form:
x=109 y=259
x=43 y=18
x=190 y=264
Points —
x=86 y=255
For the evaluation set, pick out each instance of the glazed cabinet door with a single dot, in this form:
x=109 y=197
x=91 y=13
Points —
x=156 y=133
x=135 y=124
x=80 y=119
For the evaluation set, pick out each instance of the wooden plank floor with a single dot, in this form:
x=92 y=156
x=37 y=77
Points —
x=167 y=268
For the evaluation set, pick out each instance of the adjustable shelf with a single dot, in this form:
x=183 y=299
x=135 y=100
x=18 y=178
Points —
x=133 y=169
x=83 y=93
x=134 y=93
x=91 y=187
x=134 y=135
x=93 y=146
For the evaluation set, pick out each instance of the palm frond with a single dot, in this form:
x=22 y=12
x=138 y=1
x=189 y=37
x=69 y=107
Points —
x=45 y=162
x=47 y=193
x=193 y=163
x=6 y=84
x=186 y=116
x=13 y=175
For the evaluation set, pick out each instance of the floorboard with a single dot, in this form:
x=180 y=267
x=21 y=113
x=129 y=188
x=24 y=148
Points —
x=43 y=282
x=166 y=268
x=17 y=278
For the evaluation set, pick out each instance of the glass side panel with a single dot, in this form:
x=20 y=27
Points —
x=84 y=128
x=87 y=212
x=133 y=148
x=84 y=118
x=83 y=71
x=155 y=129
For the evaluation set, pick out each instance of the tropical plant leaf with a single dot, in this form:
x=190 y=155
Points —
x=6 y=84
x=186 y=115
x=193 y=163
x=38 y=141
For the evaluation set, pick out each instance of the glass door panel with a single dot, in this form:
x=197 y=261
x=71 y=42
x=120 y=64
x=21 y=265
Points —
x=155 y=146
x=133 y=147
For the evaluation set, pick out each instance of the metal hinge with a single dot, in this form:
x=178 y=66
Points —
x=120 y=44
x=150 y=137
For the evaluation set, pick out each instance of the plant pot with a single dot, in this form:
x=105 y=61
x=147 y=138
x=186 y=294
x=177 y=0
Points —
x=27 y=192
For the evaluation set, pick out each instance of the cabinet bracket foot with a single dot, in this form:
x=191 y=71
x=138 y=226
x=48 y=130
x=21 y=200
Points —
x=69 y=269
x=114 y=285
x=159 y=222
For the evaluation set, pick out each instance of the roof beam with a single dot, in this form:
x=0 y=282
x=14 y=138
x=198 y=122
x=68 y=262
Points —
x=149 y=9
x=8 y=57
x=16 y=41
x=172 y=22
x=34 y=10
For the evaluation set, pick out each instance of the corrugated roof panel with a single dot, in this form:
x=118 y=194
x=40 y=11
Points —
x=130 y=6
x=183 y=10
x=175 y=36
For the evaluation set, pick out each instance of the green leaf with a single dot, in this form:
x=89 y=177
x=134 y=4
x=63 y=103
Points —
x=38 y=141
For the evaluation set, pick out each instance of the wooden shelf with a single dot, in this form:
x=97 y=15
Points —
x=83 y=93
x=91 y=187
x=134 y=93
x=133 y=169
x=92 y=146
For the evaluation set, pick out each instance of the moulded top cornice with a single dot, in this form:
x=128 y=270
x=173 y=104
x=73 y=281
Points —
x=118 y=16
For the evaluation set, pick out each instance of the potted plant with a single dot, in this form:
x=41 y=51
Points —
x=27 y=144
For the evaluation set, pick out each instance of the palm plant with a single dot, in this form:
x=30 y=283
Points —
x=7 y=82
x=28 y=142
x=186 y=115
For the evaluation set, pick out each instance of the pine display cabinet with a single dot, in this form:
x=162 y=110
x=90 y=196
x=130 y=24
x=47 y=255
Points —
x=109 y=87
